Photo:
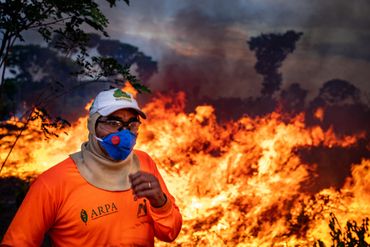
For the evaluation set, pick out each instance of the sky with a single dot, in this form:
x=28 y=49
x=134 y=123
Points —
x=201 y=46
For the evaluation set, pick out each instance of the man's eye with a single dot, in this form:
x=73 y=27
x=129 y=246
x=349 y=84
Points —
x=114 y=122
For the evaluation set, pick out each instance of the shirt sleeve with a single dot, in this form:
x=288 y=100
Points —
x=167 y=219
x=33 y=218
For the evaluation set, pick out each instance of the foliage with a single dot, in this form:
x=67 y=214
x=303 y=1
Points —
x=124 y=54
x=292 y=99
x=271 y=50
x=46 y=123
x=48 y=18
x=338 y=91
x=42 y=76
x=62 y=25
x=8 y=102
x=352 y=236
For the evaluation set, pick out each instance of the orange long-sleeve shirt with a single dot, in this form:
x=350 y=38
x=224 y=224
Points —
x=72 y=212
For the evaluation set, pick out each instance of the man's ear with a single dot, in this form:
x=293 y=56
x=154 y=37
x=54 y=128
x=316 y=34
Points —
x=92 y=123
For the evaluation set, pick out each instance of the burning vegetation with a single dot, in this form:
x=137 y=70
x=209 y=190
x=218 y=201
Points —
x=265 y=171
x=242 y=182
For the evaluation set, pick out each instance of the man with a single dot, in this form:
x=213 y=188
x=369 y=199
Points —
x=105 y=195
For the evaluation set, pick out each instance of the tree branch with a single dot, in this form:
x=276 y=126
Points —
x=49 y=23
x=3 y=44
x=48 y=99
x=3 y=66
x=17 y=138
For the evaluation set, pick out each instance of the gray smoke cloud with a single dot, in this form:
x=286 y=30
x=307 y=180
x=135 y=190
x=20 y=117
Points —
x=201 y=45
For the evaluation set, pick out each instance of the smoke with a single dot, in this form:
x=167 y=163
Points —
x=210 y=66
x=191 y=40
x=201 y=48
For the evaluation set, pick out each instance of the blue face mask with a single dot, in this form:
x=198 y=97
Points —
x=118 y=145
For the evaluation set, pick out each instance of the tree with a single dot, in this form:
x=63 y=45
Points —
x=64 y=20
x=124 y=54
x=38 y=70
x=340 y=100
x=63 y=23
x=337 y=91
x=271 y=50
x=293 y=99
x=49 y=17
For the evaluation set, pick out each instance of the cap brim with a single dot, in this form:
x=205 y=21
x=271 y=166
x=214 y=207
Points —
x=110 y=109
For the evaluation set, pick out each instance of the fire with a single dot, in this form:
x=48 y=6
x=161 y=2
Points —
x=319 y=114
x=129 y=88
x=240 y=183
x=34 y=153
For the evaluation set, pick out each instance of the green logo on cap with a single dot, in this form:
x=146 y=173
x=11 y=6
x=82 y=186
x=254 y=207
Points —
x=119 y=94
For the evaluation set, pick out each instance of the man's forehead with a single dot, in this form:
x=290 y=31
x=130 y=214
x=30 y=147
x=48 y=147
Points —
x=125 y=113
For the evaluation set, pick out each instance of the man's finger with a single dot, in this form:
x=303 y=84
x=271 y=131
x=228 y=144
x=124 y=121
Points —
x=144 y=186
x=135 y=175
x=138 y=178
x=145 y=193
x=140 y=174
x=155 y=199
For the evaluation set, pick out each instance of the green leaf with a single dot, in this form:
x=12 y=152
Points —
x=84 y=216
x=141 y=88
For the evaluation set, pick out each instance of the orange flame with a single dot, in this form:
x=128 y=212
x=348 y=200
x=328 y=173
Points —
x=319 y=114
x=239 y=183
x=130 y=89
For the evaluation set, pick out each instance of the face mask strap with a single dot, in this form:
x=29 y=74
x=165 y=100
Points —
x=97 y=138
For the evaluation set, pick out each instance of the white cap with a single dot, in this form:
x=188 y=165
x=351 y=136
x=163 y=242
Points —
x=109 y=101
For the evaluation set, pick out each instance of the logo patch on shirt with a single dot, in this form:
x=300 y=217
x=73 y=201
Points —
x=142 y=209
x=98 y=212
x=84 y=216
